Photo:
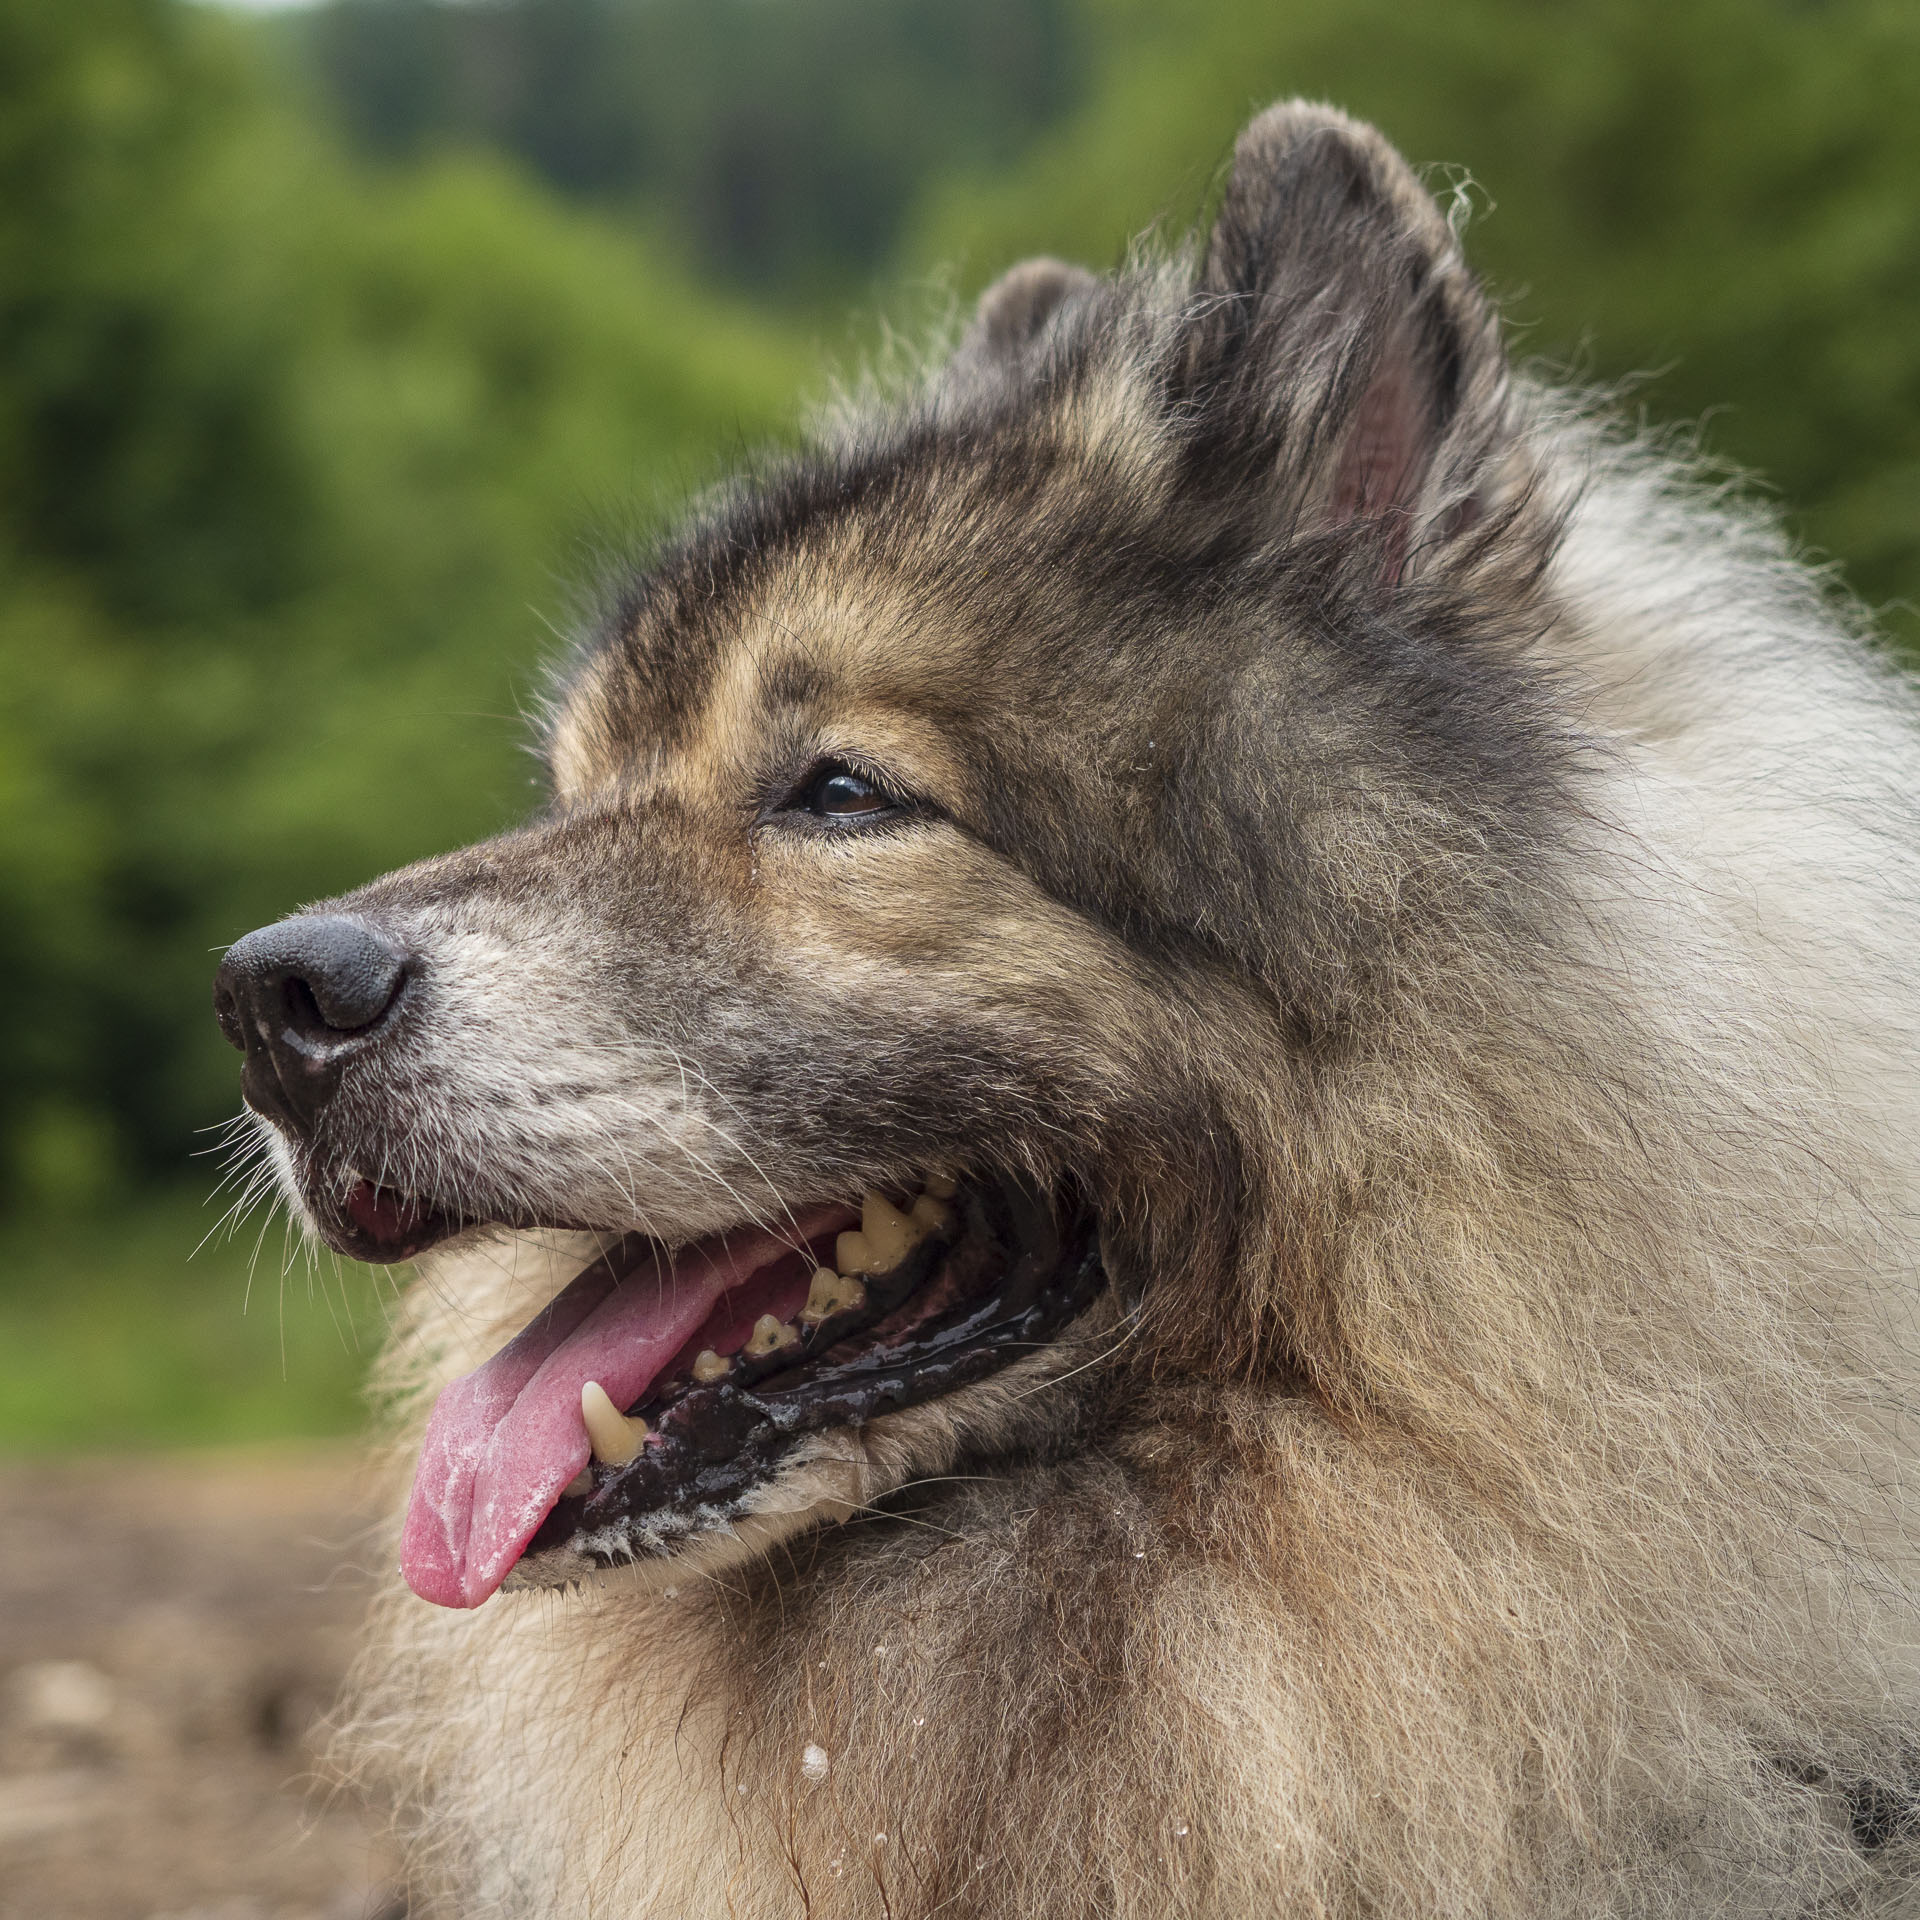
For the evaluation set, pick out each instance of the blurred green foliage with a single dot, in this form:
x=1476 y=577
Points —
x=335 y=352
x=289 y=454
x=1723 y=195
x=110 y=1336
x=781 y=144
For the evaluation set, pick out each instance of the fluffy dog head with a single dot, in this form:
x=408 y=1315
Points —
x=983 y=792
x=1158 y=775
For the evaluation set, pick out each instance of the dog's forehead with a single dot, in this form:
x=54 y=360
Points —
x=944 y=576
x=821 y=649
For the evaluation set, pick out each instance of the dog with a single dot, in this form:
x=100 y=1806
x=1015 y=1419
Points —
x=1181 y=1177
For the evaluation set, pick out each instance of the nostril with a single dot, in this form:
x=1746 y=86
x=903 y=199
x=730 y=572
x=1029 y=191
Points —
x=226 y=1009
x=301 y=999
x=344 y=976
x=303 y=1013
x=315 y=978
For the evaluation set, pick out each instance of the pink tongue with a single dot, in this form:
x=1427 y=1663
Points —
x=505 y=1439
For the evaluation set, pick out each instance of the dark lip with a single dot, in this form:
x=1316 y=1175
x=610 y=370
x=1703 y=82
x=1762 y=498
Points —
x=378 y=1224
x=320 y=1059
x=1021 y=1266
x=383 y=1225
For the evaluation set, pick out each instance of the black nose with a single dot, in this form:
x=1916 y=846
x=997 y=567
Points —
x=300 y=998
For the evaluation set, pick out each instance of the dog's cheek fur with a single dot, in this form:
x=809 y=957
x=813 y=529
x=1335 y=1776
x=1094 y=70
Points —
x=656 y=1040
x=1372 y=1641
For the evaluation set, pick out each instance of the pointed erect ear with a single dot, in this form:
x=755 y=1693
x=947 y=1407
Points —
x=1341 y=350
x=1014 y=309
x=1013 y=314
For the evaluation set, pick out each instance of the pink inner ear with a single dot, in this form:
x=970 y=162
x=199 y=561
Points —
x=1381 y=459
x=1377 y=461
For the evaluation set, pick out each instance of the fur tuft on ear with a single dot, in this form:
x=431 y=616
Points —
x=1342 y=354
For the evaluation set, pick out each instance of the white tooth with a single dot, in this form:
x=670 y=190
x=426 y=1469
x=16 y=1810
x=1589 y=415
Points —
x=582 y=1482
x=942 y=1186
x=931 y=1214
x=831 y=1293
x=769 y=1336
x=709 y=1366
x=851 y=1254
x=615 y=1438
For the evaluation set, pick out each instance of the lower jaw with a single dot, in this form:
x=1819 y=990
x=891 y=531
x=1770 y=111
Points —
x=1011 y=1283
x=836 y=1482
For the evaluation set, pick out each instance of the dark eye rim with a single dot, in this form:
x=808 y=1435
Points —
x=795 y=806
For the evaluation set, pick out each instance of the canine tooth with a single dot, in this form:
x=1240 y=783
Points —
x=890 y=1234
x=615 y=1438
x=709 y=1366
x=770 y=1335
x=831 y=1293
x=931 y=1213
x=942 y=1186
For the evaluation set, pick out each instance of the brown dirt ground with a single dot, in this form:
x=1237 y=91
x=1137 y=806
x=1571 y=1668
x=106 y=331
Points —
x=171 y=1628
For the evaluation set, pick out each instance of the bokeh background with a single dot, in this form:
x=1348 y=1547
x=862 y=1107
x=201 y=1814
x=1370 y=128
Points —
x=340 y=343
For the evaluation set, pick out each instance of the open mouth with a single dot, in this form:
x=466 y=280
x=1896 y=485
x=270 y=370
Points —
x=651 y=1397
x=380 y=1224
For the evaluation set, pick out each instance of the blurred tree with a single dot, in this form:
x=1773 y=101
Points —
x=286 y=454
x=1724 y=196
x=782 y=142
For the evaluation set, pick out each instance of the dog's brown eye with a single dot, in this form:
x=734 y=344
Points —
x=835 y=792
